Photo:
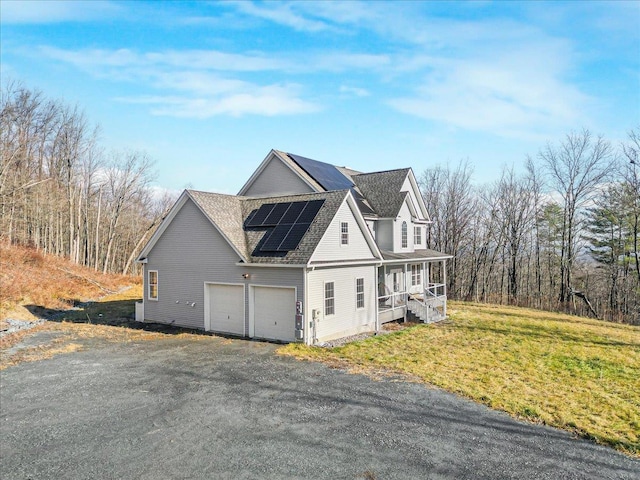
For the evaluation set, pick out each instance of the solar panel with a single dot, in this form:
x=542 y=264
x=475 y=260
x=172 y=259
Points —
x=288 y=233
x=325 y=174
x=294 y=236
x=310 y=211
x=260 y=216
x=293 y=213
x=275 y=238
x=276 y=214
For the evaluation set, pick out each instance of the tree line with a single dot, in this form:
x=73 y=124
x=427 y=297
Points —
x=562 y=236
x=62 y=193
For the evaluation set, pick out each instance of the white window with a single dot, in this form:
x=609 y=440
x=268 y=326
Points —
x=416 y=275
x=344 y=233
x=417 y=235
x=329 y=299
x=359 y=292
x=153 y=285
x=404 y=234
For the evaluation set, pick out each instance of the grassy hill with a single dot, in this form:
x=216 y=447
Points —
x=569 y=372
x=32 y=284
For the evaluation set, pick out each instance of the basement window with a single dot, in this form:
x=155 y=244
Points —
x=153 y=285
x=329 y=299
x=344 y=233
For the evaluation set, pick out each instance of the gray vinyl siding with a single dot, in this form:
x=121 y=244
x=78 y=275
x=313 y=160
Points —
x=384 y=234
x=191 y=252
x=277 y=179
x=347 y=319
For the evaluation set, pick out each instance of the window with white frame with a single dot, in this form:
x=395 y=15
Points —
x=329 y=299
x=416 y=275
x=344 y=233
x=359 y=292
x=153 y=285
x=417 y=235
x=404 y=235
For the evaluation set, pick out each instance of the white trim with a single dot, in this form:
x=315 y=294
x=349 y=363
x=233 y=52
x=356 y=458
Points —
x=252 y=309
x=207 y=303
x=149 y=297
x=272 y=265
x=418 y=194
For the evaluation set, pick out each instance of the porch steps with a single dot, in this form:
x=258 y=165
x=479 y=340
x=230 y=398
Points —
x=425 y=312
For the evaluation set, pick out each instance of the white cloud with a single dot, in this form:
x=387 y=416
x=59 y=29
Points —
x=51 y=11
x=280 y=13
x=354 y=91
x=266 y=101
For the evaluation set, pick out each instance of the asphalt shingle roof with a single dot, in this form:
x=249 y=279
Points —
x=382 y=190
x=229 y=212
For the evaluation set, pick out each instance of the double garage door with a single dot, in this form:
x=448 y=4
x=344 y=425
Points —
x=271 y=311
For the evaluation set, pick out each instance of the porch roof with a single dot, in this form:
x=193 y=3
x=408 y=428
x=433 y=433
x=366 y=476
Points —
x=418 y=255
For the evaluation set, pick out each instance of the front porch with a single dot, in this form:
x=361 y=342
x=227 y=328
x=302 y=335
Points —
x=407 y=289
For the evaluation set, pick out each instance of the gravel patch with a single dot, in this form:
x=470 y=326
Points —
x=18 y=325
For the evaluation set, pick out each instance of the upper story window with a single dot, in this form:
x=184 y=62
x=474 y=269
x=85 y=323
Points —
x=329 y=299
x=417 y=235
x=153 y=285
x=344 y=233
x=404 y=235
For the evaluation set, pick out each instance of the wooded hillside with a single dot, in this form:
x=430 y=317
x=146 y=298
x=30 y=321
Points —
x=561 y=237
x=62 y=193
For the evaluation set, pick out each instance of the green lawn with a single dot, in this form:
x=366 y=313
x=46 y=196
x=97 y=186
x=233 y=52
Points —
x=569 y=372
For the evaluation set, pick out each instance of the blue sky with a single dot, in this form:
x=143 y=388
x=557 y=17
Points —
x=208 y=88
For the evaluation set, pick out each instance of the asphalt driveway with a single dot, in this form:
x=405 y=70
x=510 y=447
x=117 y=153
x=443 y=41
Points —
x=218 y=408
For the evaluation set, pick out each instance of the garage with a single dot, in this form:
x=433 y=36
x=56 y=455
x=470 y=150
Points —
x=224 y=308
x=273 y=312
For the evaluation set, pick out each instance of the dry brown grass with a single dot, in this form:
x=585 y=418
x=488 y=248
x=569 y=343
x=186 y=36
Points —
x=574 y=373
x=39 y=282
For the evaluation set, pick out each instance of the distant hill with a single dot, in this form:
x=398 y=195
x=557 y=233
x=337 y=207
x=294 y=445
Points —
x=32 y=283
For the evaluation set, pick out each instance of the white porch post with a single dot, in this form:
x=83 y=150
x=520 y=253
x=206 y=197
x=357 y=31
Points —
x=444 y=282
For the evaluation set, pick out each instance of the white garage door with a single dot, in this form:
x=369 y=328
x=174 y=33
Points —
x=274 y=312
x=226 y=308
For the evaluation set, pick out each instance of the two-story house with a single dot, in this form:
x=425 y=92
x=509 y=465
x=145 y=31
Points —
x=307 y=251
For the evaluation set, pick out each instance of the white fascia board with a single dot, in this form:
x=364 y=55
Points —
x=372 y=261
x=418 y=194
x=163 y=226
x=416 y=260
x=272 y=265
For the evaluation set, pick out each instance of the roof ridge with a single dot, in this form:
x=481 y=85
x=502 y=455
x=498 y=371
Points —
x=383 y=171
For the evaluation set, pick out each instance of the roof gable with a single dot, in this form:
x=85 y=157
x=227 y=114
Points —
x=383 y=190
x=220 y=210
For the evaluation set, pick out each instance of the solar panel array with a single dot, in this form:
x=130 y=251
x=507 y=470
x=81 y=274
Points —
x=290 y=221
x=330 y=178
x=325 y=174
